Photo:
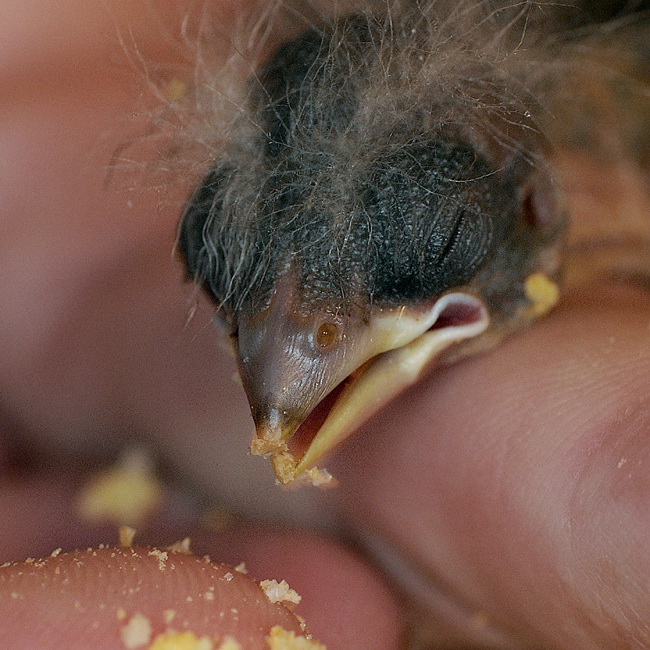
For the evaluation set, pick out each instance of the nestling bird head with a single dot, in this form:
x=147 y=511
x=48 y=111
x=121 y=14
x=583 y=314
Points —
x=360 y=223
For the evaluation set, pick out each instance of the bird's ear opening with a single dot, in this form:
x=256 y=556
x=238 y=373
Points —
x=520 y=153
x=543 y=207
x=539 y=192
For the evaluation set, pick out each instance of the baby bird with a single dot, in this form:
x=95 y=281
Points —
x=387 y=199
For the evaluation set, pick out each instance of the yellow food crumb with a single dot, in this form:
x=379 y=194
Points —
x=137 y=632
x=281 y=639
x=542 y=293
x=229 y=644
x=284 y=466
x=176 y=89
x=182 y=547
x=126 y=535
x=279 y=592
x=263 y=447
x=171 y=640
x=127 y=493
x=162 y=556
x=319 y=477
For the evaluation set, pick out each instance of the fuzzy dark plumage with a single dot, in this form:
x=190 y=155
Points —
x=394 y=154
x=366 y=166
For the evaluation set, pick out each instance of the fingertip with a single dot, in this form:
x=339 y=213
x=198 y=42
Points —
x=346 y=602
x=127 y=597
x=515 y=481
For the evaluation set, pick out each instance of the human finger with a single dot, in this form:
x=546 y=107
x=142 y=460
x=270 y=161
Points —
x=506 y=493
x=134 y=598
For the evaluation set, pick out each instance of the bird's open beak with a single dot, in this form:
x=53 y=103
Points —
x=304 y=405
x=389 y=373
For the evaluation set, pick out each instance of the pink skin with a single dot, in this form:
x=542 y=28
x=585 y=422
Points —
x=514 y=483
x=525 y=497
x=89 y=598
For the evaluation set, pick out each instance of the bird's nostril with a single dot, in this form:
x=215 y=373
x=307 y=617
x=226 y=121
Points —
x=327 y=334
